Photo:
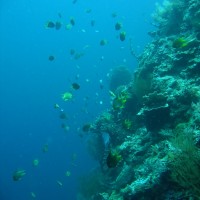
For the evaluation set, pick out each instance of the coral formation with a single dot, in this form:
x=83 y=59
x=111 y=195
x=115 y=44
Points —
x=154 y=122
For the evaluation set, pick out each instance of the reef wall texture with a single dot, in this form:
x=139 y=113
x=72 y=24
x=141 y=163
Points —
x=148 y=143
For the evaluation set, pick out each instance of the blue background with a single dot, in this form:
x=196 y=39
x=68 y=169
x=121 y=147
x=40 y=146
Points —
x=30 y=85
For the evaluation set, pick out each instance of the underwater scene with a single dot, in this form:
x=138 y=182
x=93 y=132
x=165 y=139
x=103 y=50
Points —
x=100 y=100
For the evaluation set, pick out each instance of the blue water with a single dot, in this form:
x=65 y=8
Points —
x=30 y=85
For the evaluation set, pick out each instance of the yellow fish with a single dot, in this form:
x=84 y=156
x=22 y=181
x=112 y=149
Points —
x=67 y=173
x=35 y=162
x=67 y=96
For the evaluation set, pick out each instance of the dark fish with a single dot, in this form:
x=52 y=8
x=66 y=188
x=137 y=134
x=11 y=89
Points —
x=72 y=52
x=58 y=25
x=51 y=58
x=78 y=55
x=114 y=14
x=103 y=42
x=101 y=86
x=118 y=26
x=63 y=115
x=89 y=10
x=75 y=86
x=72 y=21
x=50 y=24
x=92 y=23
x=63 y=125
x=122 y=36
x=45 y=148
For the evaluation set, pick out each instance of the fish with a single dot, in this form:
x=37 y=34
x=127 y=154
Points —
x=103 y=42
x=118 y=26
x=45 y=148
x=51 y=58
x=88 y=10
x=83 y=30
x=67 y=96
x=92 y=23
x=50 y=24
x=62 y=115
x=56 y=106
x=58 y=25
x=113 y=159
x=35 y=162
x=68 y=27
x=65 y=127
x=67 y=173
x=114 y=14
x=75 y=86
x=72 y=21
x=72 y=52
x=33 y=195
x=59 y=183
x=17 y=175
x=74 y=1
x=122 y=36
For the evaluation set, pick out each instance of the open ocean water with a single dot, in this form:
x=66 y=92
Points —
x=47 y=142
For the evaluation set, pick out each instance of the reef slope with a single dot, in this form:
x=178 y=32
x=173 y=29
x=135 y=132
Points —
x=148 y=143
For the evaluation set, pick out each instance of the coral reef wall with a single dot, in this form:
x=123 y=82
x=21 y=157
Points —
x=149 y=140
